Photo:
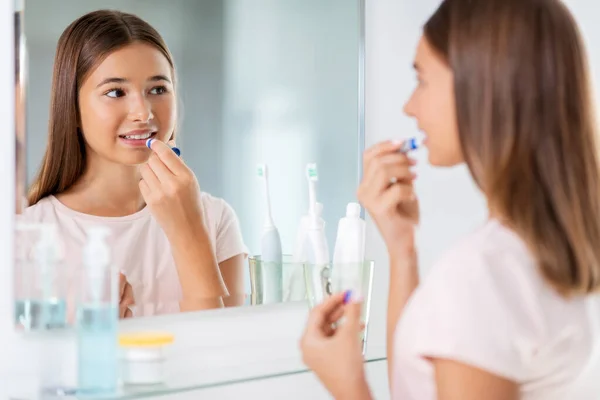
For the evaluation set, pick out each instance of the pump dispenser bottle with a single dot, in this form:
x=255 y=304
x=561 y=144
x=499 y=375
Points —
x=40 y=297
x=97 y=317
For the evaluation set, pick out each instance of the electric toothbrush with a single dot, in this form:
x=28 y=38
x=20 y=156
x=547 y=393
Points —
x=296 y=289
x=271 y=275
x=318 y=251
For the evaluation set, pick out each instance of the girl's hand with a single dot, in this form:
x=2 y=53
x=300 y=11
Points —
x=335 y=353
x=387 y=193
x=125 y=297
x=171 y=191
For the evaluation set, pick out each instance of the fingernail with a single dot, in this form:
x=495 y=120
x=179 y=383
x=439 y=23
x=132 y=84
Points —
x=397 y=142
x=149 y=143
x=176 y=150
x=347 y=296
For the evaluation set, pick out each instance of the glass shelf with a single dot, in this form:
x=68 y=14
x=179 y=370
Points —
x=206 y=379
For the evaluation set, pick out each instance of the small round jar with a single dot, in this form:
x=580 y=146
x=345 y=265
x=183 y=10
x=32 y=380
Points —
x=142 y=358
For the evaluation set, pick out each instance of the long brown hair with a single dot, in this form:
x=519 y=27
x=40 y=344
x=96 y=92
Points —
x=82 y=46
x=527 y=126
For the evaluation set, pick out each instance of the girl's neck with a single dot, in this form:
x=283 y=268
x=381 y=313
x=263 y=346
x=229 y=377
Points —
x=106 y=189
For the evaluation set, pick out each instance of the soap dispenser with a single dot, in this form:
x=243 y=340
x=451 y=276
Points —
x=40 y=293
x=47 y=253
x=97 y=317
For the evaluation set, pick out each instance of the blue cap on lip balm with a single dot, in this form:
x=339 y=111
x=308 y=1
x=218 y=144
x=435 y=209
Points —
x=347 y=296
x=409 y=145
x=175 y=149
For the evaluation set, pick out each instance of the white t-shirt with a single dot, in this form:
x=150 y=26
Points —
x=140 y=248
x=485 y=304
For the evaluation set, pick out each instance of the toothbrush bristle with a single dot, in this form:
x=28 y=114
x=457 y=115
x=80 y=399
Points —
x=311 y=172
x=261 y=170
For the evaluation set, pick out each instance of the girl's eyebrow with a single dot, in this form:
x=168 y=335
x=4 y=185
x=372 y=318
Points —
x=155 y=78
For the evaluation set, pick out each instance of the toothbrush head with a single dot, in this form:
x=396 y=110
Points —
x=311 y=172
x=261 y=171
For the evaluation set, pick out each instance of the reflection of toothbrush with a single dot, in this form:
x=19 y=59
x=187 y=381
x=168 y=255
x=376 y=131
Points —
x=296 y=289
x=271 y=255
x=318 y=250
x=313 y=177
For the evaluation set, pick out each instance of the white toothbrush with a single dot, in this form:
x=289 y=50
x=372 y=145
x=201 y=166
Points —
x=263 y=174
x=313 y=177
x=318 y=249
x=271 y=254
x=296 y=289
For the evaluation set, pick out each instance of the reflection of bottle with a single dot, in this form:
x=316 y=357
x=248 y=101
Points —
x=46 y=255
x=97 y=317
x=349 y=252
x=40 y=301
x=350 y=242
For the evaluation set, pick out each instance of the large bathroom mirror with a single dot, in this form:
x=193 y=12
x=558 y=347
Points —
x=261 y=90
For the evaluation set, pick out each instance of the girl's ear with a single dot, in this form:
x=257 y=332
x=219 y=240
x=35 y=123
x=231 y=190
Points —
x=171 y=141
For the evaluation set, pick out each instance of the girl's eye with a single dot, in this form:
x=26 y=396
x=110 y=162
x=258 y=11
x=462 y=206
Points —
x=114 y=93
x=158 y=90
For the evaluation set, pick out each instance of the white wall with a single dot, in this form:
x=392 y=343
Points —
x=586 y=12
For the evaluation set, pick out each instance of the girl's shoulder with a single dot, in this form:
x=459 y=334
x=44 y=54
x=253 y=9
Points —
x=39 y=211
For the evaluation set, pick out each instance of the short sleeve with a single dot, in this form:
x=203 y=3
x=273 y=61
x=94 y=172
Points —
x=229 y=240
x=479 y=311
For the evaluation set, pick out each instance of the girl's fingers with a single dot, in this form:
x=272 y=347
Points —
x=319 y=316
x=145 y=190
x=168 y=157
x=380 y=148
x=148 y=176
x=161 y=171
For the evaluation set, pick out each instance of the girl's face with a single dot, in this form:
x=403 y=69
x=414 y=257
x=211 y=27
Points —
x=125 y=101
x=432 y=105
